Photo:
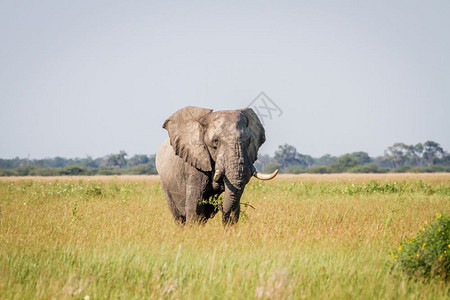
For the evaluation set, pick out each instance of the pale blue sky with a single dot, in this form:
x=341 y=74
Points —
x=93 y=77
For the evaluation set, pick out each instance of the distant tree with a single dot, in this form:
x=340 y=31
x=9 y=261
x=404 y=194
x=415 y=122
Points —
x=445 y=161
x=400 y=154
x=295 y=170
x=12 y=163
x=414 y=154
x=361 y=157
x=89 y=162
x=349 y=161
x=367 y=168
x=58 y=162
x=40 y=162
x=74 y=170
x=383 y=162
x=138 y=159
x=318 y=170
x=100 y=162
x=152 y=161
x=325 y=160
x=432 y=152
x=271 y=167
x=286 y=156
x=344 y=163
x=262 y=161
x=396 y=155
x=305 y=160
x=117 y=160
x=426 y=157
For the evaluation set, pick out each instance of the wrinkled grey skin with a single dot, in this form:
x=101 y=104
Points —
x=200 y=143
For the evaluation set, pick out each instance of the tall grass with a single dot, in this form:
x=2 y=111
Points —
x=307 y=237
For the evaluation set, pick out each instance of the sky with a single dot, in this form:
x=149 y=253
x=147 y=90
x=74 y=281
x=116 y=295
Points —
x=82 y=78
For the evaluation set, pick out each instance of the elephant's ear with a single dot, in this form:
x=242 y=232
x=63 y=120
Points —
x=257 y=133
x=186 y=136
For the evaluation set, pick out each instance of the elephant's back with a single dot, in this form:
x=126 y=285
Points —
x=168 y=164
x=162 y=156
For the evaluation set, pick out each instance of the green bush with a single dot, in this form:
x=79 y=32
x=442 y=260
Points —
x=294 y=170
x=428 y=254
x=74 y=170
x=368 y=168
x=402 y=169
x=7 y=172
x=430 y=169
x=140 y=170
x=42 y=171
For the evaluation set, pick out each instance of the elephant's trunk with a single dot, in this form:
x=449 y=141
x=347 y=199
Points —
x=237 y=172
x=231 y=203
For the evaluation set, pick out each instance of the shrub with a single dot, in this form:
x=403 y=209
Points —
x=7 y=172
x=294 y=170
x=74 y=170
x=428 y=254
x=42 y=171
x=402 y=169
x=369 y=168
x=140 y=170
x=430 y=169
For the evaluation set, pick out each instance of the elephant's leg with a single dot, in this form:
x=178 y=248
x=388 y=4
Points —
x=177 y=215
x=193 y=197
x=196 y=189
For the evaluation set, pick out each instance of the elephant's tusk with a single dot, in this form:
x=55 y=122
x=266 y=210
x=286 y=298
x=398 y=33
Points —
x=263 y=176
x=217 y=175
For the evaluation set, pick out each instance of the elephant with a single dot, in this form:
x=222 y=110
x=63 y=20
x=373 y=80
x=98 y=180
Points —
x=206 y=154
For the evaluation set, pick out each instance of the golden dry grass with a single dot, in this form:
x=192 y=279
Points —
x=309 y=236
x=342 y=177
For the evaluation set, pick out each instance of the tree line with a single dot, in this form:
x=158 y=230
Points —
x=426 y=157
x=113 y=164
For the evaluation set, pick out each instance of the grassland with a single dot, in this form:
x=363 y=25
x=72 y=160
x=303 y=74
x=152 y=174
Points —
x=308 y=237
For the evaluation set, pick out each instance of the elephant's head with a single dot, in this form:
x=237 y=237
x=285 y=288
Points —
x=223 y=143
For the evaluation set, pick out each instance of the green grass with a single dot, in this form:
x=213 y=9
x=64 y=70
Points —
x=326 y=237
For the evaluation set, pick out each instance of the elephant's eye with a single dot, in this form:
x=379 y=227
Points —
x=214 y=143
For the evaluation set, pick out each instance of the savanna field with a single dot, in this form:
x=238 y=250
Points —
x=299 y=237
